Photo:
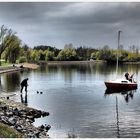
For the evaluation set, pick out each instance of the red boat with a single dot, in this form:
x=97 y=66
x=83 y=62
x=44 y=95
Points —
x=121 y=84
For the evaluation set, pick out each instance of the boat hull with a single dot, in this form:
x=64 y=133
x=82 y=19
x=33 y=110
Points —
x=121 y=86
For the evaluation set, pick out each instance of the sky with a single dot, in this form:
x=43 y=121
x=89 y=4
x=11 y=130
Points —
x=89 y=24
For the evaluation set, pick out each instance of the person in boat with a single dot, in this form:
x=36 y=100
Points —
x=24 y=84
x=128 y=77
x=131 y=78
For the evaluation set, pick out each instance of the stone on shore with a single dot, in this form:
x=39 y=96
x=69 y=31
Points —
x=21 y=118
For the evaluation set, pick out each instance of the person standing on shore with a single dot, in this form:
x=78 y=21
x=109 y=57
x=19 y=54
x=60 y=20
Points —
x=24 y=84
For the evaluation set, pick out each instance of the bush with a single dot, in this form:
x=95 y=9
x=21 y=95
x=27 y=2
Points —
x=22 y=59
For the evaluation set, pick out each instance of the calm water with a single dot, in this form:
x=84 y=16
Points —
x=75 y=97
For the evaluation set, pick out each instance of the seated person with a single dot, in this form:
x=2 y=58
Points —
x=128 y=77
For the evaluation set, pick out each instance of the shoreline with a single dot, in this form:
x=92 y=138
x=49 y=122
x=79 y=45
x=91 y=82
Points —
x=70 y=62
x=17 y=116
x=81 y=62
x=20 y=118
x=7 y=69
x=18 y=67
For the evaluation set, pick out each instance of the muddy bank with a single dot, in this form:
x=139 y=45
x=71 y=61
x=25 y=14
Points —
x=21 y=118
x=7 y=69
x=28 y=65
x=17 y=67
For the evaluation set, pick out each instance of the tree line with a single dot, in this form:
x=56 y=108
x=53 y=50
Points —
x=12 y=50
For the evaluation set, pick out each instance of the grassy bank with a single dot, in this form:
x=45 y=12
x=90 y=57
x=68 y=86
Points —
x=7 y=132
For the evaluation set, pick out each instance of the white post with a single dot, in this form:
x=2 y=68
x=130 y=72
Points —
x=119 y=32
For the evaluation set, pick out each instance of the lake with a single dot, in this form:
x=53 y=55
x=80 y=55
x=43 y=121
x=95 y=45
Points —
x=74 y=95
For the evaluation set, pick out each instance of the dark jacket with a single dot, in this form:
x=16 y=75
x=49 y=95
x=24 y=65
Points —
x=24 y=82
x=127 y=76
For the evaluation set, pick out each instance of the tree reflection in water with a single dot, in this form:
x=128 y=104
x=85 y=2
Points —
x=10 y=81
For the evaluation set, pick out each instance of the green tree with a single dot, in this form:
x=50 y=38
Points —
x=12 y=50
x=84 y=53
x=41 y=54
x=49 y=55
x=67 y=54
x=5 y=38
x=34 y=56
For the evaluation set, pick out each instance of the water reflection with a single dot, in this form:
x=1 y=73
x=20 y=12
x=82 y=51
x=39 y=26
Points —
x=74 y=95
x=117 y=117
x=128 y=95
x=24 y=98
x=69 y=71
x=11 y=81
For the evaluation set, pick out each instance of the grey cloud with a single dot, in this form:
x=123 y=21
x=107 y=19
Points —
x=57 y=23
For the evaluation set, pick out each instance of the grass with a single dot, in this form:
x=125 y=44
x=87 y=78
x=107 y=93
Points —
x=3 y=63
x=7 y=132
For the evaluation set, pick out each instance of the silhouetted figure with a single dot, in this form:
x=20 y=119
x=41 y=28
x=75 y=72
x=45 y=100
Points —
x=131 y=78
x=128 y=77
x=24 y=84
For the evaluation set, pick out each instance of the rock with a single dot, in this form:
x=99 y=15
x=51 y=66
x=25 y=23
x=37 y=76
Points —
x=15 y=112
x=4 y=119
x=23 y=115
x=30 y=117
x=41 y=128
x=37 y=134
x=4 y=107
x=21 y=118
x=24 y=130
x=29 y=120
x=37 y=114
x=18 y=127
x=9 y=114
x=31 y=113
x=45 y=113
x=12 y=121
x=48 y=127
x=1 y=113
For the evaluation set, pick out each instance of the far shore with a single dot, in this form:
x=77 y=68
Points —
x=34 y=66
x=71 y=62
x=81 y=62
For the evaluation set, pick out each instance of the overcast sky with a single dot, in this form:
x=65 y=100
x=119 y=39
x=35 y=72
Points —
x=56 y=24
